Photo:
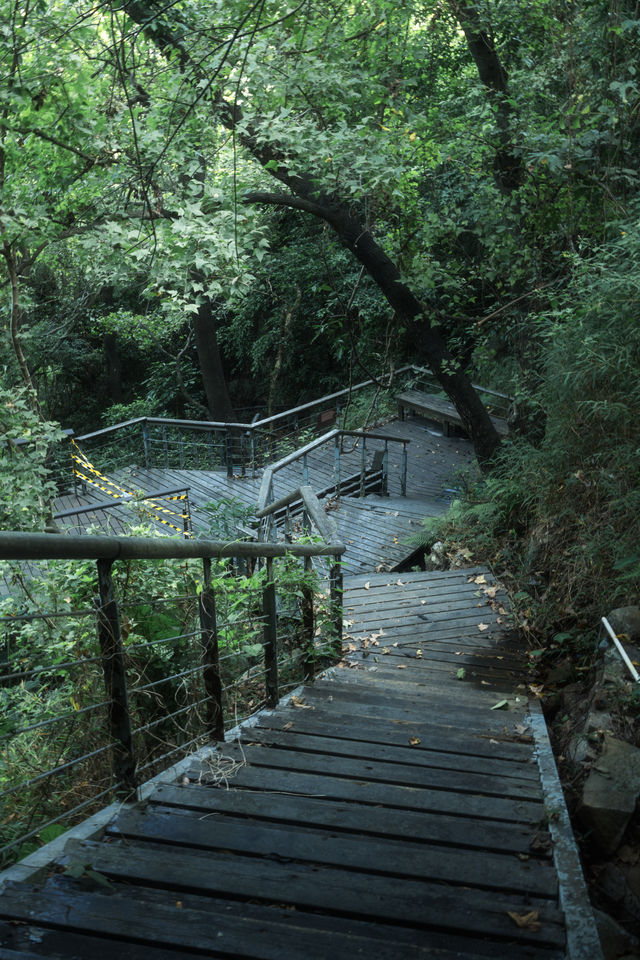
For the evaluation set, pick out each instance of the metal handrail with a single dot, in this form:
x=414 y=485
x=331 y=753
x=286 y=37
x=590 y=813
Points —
x=267 y=477
x=54 y=546
x=110 y=504
x=221 y=425
x=621 y=650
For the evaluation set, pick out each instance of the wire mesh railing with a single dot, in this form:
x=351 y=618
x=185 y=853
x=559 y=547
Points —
x=119 y=655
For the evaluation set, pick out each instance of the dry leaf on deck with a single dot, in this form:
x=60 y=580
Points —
x=297 y=702
x=480 y=579
x=414 y=741
x=288 y=725
x=419 y=654
x=528 y=921
x=367 y=585
x=402 y=666
x=483 y=626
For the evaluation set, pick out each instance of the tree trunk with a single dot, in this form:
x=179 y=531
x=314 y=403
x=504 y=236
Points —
x=210 y=361
x=508 y=168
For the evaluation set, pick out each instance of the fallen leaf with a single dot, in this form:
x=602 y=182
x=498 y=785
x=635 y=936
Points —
x=414 y=741
x=501 y=705
x=536 y=689
x=485 y=683
x=419 y=654
x=297 y=702
x=402 y=666
x=480 y=579
x=528 y=921
x=483 y=626
x=401 y=583
x=523 y=856
x=386 y=650
x=491 y=592
x=395 y=644
x=367 y=585
x=461 y=673
x=288 y=725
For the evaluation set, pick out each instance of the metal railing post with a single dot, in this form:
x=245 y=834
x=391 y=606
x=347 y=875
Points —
x=335 y=597
x=305 y=470
x=385 y=468
x=403 y=471
x=228 y=453
x=270 y=635
x=363 y=465
x=146 y=443
x=308 y=621
x=210 y=655
x=115 y=681
x=165 y=448
x=336 y=463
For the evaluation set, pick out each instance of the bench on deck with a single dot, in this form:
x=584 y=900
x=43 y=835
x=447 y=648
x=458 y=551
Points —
x=439 y=409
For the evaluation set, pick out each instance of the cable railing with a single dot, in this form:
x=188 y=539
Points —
x=239 y=449
x=118 y=655
x=367 y=470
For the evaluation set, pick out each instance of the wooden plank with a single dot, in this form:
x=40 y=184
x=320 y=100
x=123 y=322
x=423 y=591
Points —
x=367 y=792
x=337 y=764
x=403 y=859
x=222 y=928
x=344 y=817
x=320 y=740
x=430 y=732
x=346 y=893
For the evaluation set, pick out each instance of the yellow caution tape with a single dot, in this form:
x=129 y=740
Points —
x=81 y=463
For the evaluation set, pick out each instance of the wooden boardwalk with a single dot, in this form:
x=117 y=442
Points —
x=393 y=809
x=377 y=530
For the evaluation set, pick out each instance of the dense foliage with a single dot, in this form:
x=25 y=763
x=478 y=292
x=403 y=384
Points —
x=214 y=207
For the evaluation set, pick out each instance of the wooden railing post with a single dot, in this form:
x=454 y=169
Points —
x=270 y=635
x=210 y=655
x=115 y=681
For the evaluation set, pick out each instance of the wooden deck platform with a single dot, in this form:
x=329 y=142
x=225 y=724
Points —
x=393 y=809
x=377 y=530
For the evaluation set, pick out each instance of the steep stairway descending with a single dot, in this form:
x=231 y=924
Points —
x=392 y=809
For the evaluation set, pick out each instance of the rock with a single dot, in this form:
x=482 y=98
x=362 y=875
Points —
x=598 y=721
x=614 y=939
x=626 y=620
x=610 y=793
